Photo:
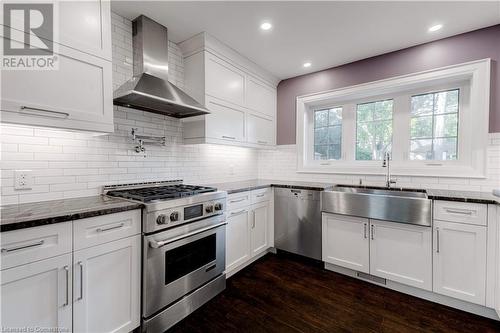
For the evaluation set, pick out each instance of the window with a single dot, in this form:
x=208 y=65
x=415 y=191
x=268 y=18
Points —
x=434 y=126
x=328 y=134
x=373 y=129
x=433 y=123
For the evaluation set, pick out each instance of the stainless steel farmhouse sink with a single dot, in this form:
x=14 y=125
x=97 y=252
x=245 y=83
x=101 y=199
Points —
x=392 y=204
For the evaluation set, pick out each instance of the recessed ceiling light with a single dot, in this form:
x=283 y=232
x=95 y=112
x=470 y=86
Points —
x=266 y=26
x=435 y=27
x=307 y=64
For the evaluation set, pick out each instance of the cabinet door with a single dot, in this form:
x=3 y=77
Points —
x=86 y=26
x=224 y=81
x=77 y=95
x=460 y=261
x=259 y=228
x=345 y=241
x=260 y=97
x=81 y=25
x=260 y=130
x=38 y=294
x=402 y=253
x=237 y=238
x=225 y=122
x=107 y=287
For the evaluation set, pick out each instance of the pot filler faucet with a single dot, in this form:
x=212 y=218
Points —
x=387 y=164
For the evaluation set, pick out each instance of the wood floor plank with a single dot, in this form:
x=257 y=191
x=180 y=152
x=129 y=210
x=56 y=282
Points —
x=282 y=294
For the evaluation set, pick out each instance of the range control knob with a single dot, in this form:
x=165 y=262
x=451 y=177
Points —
x=161 y=219
x=209 y=209
x=174 y=216
x=218 y=206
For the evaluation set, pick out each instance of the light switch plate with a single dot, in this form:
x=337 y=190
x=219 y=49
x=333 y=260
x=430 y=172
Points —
x=23 y=179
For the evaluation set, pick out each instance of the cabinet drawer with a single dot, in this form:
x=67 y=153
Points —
x=261 y=195
x=32 y=244
x=106 y=228
x=238 y=200
x=462 y=212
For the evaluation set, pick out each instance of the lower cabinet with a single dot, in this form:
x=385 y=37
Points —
x=394 y=251
x=460 y=261
x=401 y=253
x=248 y=231
x=94 y=288
x=259 y=228
x=237 y=238
x=38 y=294
x=345 y=242
x=106 y=287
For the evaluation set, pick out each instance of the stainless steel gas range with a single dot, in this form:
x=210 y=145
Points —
x=183 y=248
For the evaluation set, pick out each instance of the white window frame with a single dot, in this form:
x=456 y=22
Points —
x=473 y=80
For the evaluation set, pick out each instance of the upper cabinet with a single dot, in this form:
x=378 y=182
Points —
x=240 y=96
x=77 y=92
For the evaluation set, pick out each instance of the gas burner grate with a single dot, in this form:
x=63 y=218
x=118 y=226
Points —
x=158 y=193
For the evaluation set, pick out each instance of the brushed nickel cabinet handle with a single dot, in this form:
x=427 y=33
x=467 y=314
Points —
x=229 y=137
x=260 y=195
x=453 y=211
x=66 y=268
x=110 y=228
x=437 y=240
x=364 y=230
x=28 y=108
x=81 y=281
x=262 y=142
x=39 y=243
x=373 y=231
x=239 y=200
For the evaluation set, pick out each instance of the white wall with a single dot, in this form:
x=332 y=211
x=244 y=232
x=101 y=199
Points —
x=280 y=164
x=74 y=164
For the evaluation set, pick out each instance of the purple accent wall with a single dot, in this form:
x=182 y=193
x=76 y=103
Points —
x=475 y=45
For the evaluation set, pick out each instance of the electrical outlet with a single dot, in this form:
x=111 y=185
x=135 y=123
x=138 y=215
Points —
x=23 y=179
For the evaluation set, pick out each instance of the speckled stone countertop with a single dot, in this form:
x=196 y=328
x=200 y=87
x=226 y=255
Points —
x=248 y=185
x=452 y=195
x=463 y=196
x=48 y=212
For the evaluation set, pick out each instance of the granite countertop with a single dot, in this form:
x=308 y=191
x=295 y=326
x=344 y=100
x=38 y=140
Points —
x=48 y=212
x=435 y=194
x=248 y=185
x=463 y=196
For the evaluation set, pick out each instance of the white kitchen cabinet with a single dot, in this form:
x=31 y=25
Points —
x=224 y=80
x=345 y=242
x=237 y=238
x=460 y=261
x=78 y=95
x=402 y=253
x=225 y=122
x=107 y=287
x=260 y=130
x=38 y=294
x=244 y=111
x=259 y=228
x=250 y=227
x=260 y=97
x=81 y=25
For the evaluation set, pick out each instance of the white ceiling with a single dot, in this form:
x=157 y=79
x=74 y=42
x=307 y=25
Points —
x=325 y=33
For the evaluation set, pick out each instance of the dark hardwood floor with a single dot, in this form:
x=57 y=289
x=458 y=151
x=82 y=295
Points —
x=283 y=294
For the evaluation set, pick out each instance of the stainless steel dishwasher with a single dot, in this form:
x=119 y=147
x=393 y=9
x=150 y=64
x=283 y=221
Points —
x=297 y=221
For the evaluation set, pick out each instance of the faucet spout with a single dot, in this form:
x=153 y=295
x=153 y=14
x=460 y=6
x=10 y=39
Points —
x=387 y=164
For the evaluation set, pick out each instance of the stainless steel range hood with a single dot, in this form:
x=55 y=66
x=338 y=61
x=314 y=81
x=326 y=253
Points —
x=149 y=89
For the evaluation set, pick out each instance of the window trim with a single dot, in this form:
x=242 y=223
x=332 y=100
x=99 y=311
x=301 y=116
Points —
x=472 y=78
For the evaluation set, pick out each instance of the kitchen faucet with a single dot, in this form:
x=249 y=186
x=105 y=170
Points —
x=387 y=164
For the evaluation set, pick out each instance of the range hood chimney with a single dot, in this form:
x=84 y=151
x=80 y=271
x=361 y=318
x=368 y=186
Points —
x=149 y=89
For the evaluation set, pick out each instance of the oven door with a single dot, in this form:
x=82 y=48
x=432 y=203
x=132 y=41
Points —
x=179 y=260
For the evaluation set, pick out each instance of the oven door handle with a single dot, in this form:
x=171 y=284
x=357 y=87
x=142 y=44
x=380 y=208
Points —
x=157 y=244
